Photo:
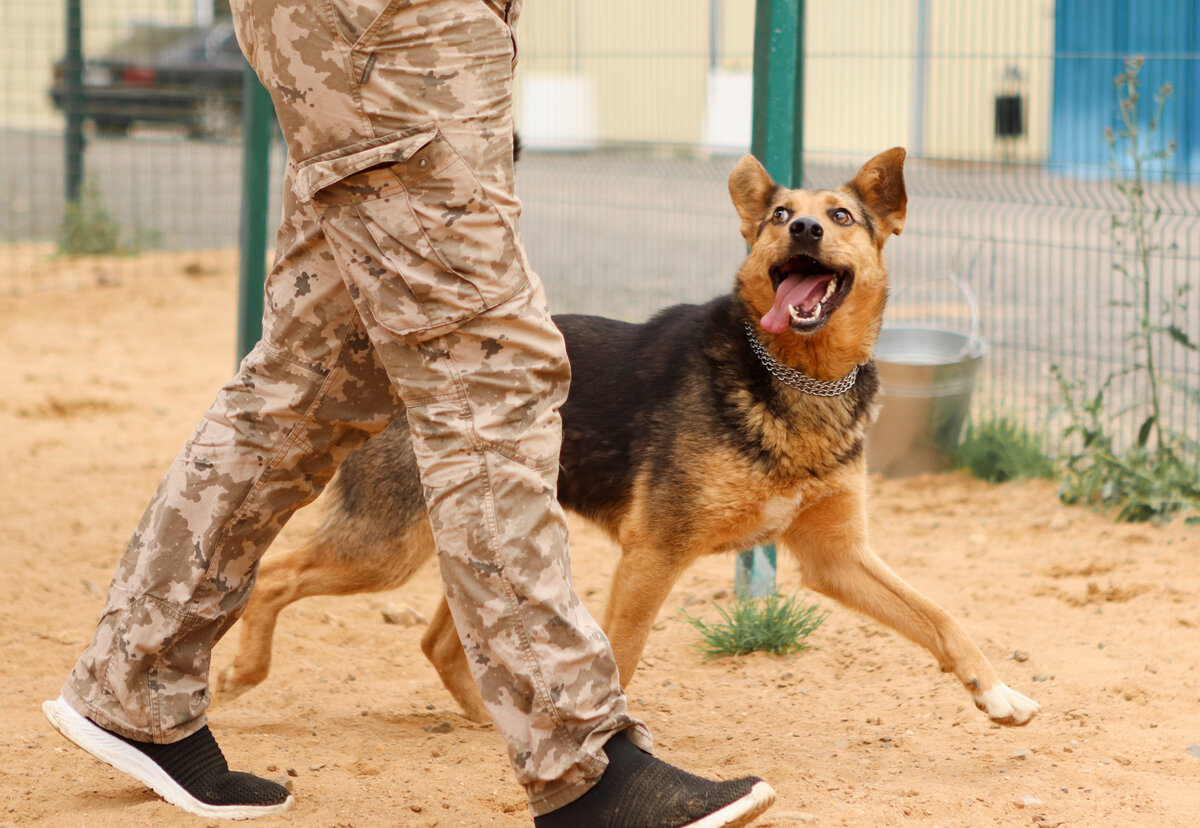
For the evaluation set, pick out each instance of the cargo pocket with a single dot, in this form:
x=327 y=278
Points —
x=421 y=239
x=328 y=169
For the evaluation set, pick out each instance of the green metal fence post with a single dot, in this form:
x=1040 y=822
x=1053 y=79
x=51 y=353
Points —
x=777 y=140
x=777 y=134
x=73 y=138
x=257 y=116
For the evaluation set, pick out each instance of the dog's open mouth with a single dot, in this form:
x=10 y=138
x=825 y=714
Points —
x=806 y=293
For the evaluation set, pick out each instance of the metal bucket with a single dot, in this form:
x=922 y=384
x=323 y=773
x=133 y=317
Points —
x=927 y=377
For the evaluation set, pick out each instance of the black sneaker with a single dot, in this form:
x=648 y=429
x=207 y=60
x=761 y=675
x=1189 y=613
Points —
x=639 y=791
x=190 y=774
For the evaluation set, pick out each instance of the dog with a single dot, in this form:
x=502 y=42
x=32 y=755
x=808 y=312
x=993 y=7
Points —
x=708 y=429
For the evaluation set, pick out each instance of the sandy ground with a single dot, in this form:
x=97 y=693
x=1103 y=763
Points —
x=1099 y=622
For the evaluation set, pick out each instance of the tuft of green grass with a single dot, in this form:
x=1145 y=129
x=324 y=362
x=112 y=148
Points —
x=773 y=624
x=999 y=449
x=88 y=228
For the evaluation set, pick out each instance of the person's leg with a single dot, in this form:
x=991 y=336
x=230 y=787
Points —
x=482 y=403
x=307 y=395
x=430 y=248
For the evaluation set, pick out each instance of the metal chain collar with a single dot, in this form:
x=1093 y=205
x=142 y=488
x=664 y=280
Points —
x=796 y=379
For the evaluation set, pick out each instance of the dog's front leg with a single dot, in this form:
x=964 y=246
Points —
x=830 y=541
x=640 y=587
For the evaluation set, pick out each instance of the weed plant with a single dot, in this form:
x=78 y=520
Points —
x=999 y=448
x=773 y=624
x=1159 y=474
x=87 y=227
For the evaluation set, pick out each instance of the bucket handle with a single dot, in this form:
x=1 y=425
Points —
x=968 y=294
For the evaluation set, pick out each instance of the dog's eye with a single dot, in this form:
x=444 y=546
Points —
x=841 y=216
x=781 y=215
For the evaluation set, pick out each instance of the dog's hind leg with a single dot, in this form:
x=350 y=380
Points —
x=337 y=561
x=830 y=541
x=444 y=651
x=279 y=583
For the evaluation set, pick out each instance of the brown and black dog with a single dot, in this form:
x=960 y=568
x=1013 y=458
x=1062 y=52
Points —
x=708 y=429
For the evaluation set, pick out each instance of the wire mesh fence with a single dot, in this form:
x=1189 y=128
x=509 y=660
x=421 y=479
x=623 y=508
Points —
x=632 y=116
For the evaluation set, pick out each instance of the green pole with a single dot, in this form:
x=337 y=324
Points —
x=777 y=140
x=777 y=132
x=73 y=138
x=257 y=116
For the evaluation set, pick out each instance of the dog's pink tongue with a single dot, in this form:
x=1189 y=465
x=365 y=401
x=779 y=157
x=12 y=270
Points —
x=804 y=291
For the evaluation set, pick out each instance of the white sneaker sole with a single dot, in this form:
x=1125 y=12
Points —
x=124 y=757
x=741 y=811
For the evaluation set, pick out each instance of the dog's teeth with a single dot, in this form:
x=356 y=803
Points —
x=829 y=290
x=797 y=313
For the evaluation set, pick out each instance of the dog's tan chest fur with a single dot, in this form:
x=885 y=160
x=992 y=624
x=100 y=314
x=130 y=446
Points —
x=779 y=512
x=744 y=507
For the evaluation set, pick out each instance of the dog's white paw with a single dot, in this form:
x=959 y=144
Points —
x=1006 y=706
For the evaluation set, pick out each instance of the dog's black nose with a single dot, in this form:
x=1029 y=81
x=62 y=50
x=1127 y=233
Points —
x=807 y=228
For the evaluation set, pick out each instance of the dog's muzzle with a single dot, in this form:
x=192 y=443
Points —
x=807 y=291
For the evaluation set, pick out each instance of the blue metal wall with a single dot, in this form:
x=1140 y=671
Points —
x=1092 y=39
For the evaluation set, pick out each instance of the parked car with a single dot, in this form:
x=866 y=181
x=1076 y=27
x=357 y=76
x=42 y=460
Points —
x=189 y=76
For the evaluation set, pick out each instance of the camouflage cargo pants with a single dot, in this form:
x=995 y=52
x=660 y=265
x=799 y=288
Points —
x=399 y=278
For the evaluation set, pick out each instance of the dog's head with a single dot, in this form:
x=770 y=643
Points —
x=815 y=269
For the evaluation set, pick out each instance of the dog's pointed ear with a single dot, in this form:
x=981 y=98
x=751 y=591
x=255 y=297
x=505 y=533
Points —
x=751 y=188
x=880 y=187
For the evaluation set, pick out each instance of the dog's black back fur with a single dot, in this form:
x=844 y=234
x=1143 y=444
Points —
x=636 y=389
x=626 y=381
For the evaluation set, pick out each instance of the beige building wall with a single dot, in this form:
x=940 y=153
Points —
x=974 y=44
x=32 y=38
x=640 y=70
x=641 y=66
x=858 y=91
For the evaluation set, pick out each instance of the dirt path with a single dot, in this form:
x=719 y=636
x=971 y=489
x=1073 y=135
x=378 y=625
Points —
x=1099 y=622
